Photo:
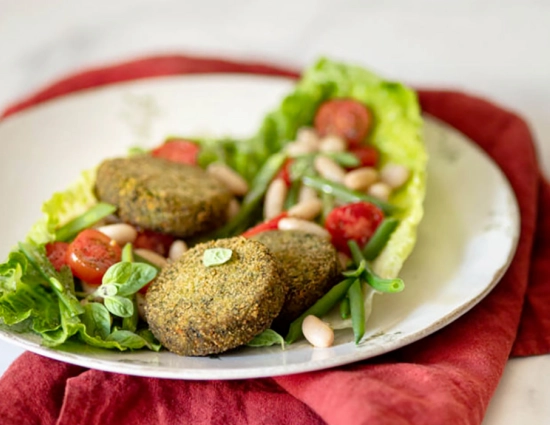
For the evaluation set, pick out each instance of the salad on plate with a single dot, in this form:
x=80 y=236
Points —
x=201 y=246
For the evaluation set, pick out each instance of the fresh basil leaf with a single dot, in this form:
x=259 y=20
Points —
x=130 y=323
x=129 y=277
x=107 y=290
x=216 y=256
x=152 y=342
x=127 y=339
x=97 y=320
x=266 y=339
x=119 y=306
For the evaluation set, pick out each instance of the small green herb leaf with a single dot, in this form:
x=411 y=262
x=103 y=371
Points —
x=119 y=306
x=127 y=339
x=216 y=256
x=107 y=290
x=266 y=339
x=129 y=277
x=97 y=320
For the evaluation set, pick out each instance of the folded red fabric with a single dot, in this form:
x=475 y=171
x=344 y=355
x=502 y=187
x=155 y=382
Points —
x=445 y=378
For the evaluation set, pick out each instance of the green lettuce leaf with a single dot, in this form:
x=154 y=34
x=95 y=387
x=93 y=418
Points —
x=396 y=135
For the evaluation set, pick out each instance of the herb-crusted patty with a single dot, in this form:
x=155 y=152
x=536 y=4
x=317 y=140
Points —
x=196 y=310
x=310 y=267
x=164 y=196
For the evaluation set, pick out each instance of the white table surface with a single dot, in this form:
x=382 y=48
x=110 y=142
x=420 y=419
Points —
x=495 y=48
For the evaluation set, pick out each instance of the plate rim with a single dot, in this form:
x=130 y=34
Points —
x=266 y=371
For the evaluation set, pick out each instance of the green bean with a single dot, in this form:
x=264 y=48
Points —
x=357 y=310
x=328 y=206
x=344 y=308
x=380 y=238
x=380 y=284
x=292 y=196
x=83 y=221
x=127 y=253
x=319 y=309
x=252 y=199
x=343 y=193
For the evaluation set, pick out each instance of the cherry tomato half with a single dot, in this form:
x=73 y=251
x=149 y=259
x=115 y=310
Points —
x=56 y=253
x=346 y=118
x=272 y=224
x=356 y=221
x=367 y=155
x=178 y=150
x=154 y=241
x=91 y=254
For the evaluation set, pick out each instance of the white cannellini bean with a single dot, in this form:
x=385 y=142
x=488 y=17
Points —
x=229 y=177
x=307 y=193
x=380 y=191
x=306 y=210
x=151 y=256
x=394 y=175
x=291 y=223
x=121 y=233
x=275 y=198
x=332 y=143
x=297 y=149
x=361 y=178
x=233 y=209
x=317 y=332
x=141 y=303
x=308 y=136
x=329 y=169
x=177 y=249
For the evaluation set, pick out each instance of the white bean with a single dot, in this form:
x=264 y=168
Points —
x=394 y=175
x=329 y=169
x=275 y=198
x=151 y=256
x=228 y=177
x=317 y=332
x=291 y=223
x=361 y=178
x=177 y=249
x=121 y=233
x=306 y=210
x=380 y=191
x=308 y=136
x=332 y=143
x=141 y=303
x=233 y=209
x=307 y=193
x=297 y=149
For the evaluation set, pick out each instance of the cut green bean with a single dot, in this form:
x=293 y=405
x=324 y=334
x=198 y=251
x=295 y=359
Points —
x=341 y=192
x=379 y=284
x=252 y=199
x=328 y=205
x=83 y=221
x=319 y=309
x=380 y=238
x=344 y=308
x=357 y=310
x=292 y=196
x=127 y=253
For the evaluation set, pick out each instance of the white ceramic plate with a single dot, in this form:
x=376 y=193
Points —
x=465 y=243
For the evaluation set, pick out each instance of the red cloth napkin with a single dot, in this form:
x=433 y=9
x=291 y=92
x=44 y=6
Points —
x=446 y=378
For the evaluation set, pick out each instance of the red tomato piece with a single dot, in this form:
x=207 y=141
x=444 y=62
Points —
x=265 y=226
x=367 y=155
x=178 y=150
x=56 y=253
x=284 y=172
x=91 y=254
x=357 y=221
x=145 y=288
x=154 y=241
x=346 y=118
